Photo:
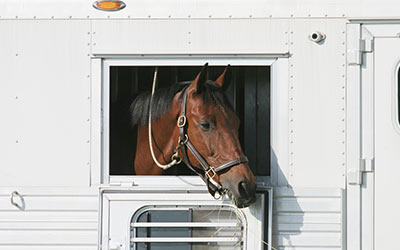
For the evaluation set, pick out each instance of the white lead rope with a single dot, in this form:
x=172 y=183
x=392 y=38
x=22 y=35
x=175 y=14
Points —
x=174 y=161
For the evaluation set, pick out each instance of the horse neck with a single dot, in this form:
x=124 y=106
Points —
x=165 y=137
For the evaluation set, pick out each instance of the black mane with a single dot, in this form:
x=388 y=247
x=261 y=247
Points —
x=163 y=97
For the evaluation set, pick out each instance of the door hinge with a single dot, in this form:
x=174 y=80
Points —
x=354 y=57
x=367 y=165
x=354 y=175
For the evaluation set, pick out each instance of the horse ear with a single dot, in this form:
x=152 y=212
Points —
x=201 y=78
x=225 y=78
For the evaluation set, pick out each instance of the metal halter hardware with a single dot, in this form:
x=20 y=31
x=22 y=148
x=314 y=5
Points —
x=209 y=172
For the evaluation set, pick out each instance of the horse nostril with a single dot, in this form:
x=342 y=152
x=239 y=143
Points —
x=243 y=190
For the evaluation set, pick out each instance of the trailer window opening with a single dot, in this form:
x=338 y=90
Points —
x=187 y=227
x=248 y=93
x=398 y=96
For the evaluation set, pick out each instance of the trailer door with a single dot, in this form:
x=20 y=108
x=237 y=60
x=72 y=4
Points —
x=387 y=141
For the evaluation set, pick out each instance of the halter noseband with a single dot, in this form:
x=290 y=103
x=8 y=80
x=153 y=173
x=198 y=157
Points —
x=184 y=143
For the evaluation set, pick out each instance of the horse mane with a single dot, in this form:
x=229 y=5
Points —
x=163 y=97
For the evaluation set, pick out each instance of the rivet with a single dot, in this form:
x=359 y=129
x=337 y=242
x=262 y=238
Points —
x=94 y=33
x=189 y=16
x=291 y=15
x=343 y=15
x=189 y=32
x=52 y=17
x=88 y=33
x=16 y=97
x=87 y=163
x=270 y=16
x=209 y=16
x=88 y=76
x=149 y=16
x=88 y=98
x=291 y=43
x=94 y=44
x=87 y=141
x=291 y=87
x=291 y=141
x=129 y=16
x=88 y=44
x=326 y=15
x=309 y=15
x=16 y=141
x=88 y=17
x=16 y=16
x=34 y=17
x=108 y=16
x=16 y=54
x=230 y=16
x=291 y=32
x=286 y=32
x=291 y=120
x=291 y=131
x=169 y=16
x=291 y=153
x=70 y=16
x=88 y=120
x=189 y=42
x=291 y=76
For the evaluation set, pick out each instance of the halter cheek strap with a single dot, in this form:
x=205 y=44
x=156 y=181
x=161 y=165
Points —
x=209 y=173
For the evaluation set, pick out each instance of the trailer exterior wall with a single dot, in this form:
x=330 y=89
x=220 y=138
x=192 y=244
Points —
x=145 y=9
x=66 y=52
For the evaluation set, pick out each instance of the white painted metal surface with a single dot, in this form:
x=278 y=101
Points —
x=193 y=9
x=387 y=141
x=51 y=218
x=45 y=103
x=189 y=36
x=317 y=104
x=307 y=218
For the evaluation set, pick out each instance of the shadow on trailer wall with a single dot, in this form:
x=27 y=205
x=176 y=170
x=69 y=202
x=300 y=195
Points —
x=248 y=93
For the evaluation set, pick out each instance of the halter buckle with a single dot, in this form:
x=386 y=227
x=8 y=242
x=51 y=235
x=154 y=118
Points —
x=213 y=173
x=181 y=121
x=176 y=157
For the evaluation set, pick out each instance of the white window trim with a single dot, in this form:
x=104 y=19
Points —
x=165 y=60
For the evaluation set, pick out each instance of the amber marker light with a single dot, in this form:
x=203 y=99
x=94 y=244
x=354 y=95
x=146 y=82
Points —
x=110 y=5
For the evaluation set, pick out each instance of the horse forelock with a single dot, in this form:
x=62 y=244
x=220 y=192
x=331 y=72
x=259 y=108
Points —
x=163 y=98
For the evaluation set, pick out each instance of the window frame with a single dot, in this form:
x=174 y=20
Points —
x=171 y=60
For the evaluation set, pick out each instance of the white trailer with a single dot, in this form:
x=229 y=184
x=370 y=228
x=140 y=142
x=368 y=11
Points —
x=330 y=167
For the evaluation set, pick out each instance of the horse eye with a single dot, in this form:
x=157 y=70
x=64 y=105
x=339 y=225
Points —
x=205 y=125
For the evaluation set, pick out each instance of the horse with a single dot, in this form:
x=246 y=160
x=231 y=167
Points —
x=194 y=122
